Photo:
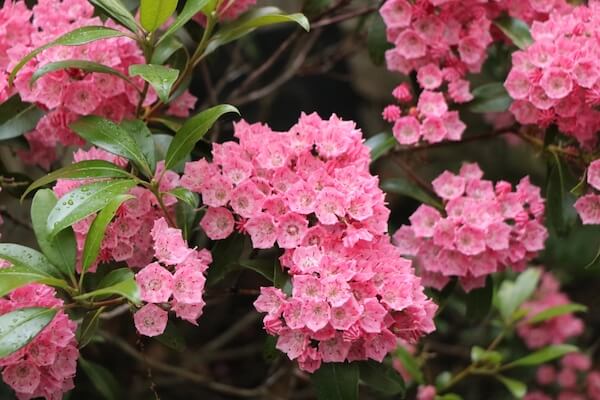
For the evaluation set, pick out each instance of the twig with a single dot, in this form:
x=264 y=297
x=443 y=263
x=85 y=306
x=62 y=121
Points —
x=122 y=309
x=23 y=224
x=343 y=17
x=414 y=177
x=232 y=332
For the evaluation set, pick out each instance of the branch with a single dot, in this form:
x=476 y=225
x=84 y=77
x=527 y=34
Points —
x=232 y=332
x=343 y=17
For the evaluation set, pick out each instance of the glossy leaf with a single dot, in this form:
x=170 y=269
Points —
x=82 y=170
x=85 y=65
x=161 y=78
x=512 y=294
x=382 y=378
x=95 y=236
x=516 y=30
x=263 y=266
x=15 y=277
x=19 y=327
x=186 y=196
x=144 y=140
x=542 y=356
x=380 y=145
x=172 y=338
x=516 y=388
x=111 y=137
x=17 y=117
x=77 y=37
x=404 y=187
x=154 y=13
x=84 y=201
x=61 y=249
x=165 y=49
x=21 y=256
x=336 y=381
x=257 y=18
x=377 y=42
x=191 y=8
x=103 y=380
x=118 y=12
x=120 y=282
x=491 y=97
x=192 y=131
x=88 y=327
x=556 y=311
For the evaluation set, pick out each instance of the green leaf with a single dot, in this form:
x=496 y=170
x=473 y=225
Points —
x=19 y=327
x=76 y=37
x=512 y=294
x=336 y=381
x=482 y=356
x=252 y=20
x=380 y=145
x=449 y=396
x=160 y=77
x=165 y=49
x=410 y=364
x=226 y=255
x=102 y=379
x=82 y=170
x=377 y=42
x=161 y=145
x=21 y=256
x=191 y=8
x=172 y=338
x=556 y=311
x=119 y=282
x=143 y=138
x=118 y=12
x=15 y=277
x=186 y=196
x=404 y=187
x=264 y=266
x=382 y=378
x=88 y=66
x=491 y=97
x=84 y=201
x=88 y=327
x=154 y=13
x=516 y=30
x=97 y=230
x=542 y=356
x=17 y=117
x=61 y=249
x=111 y=137
x=479 y=301
x=192 y=131
x=517 y=388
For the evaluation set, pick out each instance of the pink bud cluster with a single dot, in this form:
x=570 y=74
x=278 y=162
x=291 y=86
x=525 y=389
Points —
x=588 y=206
x=46 y=366
x=176 y=280
x=482 y=228
x=310 y=191
x=556 y=79
x=442 y=41
x=556 y=330
x=127 y=237
x=68 y=93
x=573 y=379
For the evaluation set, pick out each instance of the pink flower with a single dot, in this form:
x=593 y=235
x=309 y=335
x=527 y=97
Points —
x=407 y=130
x=423 y=220
x=188 y=285
x=150 y=320
x=556 y=83
x=410 y=45
x=155 y=283
x=169 y=246
x=396 y=13
x=429 y=76
x=262 y=231
x=593 y=174
x=449 y=186
x=432 y=104
x=218 y=223
x=391 y=113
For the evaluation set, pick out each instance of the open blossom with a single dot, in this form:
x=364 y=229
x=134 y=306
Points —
x=309 y=191
x=176 y=278
x=46 y=366
x=555 y=330
x=483 y=228
x=588 y=206
x=556 y=79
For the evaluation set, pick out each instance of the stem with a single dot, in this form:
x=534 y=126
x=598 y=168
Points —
x=155 y=190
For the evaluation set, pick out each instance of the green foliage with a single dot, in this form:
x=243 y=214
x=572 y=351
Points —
x=336 y=381
x=479 y=301
x=143 y=139
x=542 y=356
x=410 y=364
x=512 y=294
x=556 y=311
x=84 y=65
x=161 y=78
x=516 y=388
x=21 y=256
x=15 y=277
x=102 y=379
x=516 y=30
x=191 y=8
x=382 y=378
x=491 y=97
x=172 y=338
x=17 y=117
x=120 y=282
x=405 y=187
x=88 y=327
x=380 y=145
x=154 y=13
x=118 y=12
x=19 y=327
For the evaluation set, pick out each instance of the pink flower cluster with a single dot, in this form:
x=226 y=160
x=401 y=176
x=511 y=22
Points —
x=158 y=284
x=310 y=191
x=556 y=79
x=68 y=93
x=588 y=206
x=442 y=41
x=573 y=379
x=127 y=237
x=483 y=229
x=46 y=366
x=556 y=330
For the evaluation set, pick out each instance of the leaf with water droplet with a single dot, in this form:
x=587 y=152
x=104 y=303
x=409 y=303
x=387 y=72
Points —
x=21 y=256
x=160 y=77
x=20 y=327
